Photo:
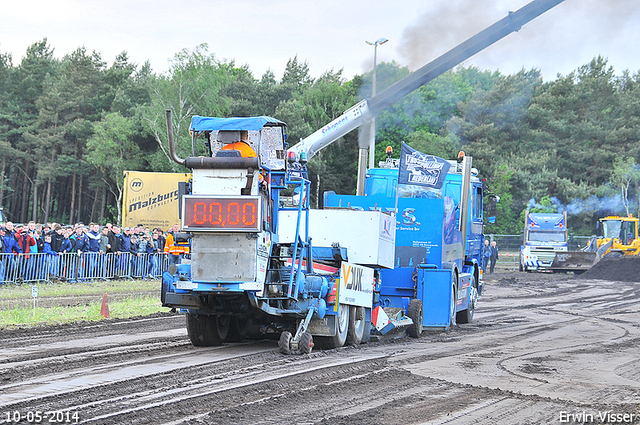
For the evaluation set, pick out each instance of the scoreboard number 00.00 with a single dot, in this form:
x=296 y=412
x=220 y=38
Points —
x=221 y=213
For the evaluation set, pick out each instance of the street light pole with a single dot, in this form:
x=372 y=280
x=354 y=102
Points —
x=362 y=162
x=372 y=142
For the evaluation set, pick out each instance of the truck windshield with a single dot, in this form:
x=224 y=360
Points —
x=547 y=236
x=611 y=228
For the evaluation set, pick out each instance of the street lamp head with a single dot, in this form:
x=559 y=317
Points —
x=377 y=42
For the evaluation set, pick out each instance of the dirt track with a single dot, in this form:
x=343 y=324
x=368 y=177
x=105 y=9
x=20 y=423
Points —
x=542 y=349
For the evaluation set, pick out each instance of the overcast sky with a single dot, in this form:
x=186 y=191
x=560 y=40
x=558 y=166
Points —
x=328 y=34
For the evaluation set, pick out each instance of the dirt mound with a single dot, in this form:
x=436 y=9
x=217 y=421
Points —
x=626 y=269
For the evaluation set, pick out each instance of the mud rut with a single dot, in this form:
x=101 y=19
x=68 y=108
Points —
x=541 y=346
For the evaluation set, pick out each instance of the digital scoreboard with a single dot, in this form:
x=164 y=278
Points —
x=221 y=213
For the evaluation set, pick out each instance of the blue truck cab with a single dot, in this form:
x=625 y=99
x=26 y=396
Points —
x=545 y=234
x=437 y=263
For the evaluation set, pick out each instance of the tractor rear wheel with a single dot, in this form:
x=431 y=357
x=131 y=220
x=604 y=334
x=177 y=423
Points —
x=203 y=330
x=237 y=329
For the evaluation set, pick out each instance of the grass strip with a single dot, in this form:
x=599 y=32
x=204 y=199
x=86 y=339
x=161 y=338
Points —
x=10 y=291
x=129 y=307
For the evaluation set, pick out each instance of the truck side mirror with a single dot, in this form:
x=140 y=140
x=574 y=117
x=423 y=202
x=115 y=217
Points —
x=491 y=205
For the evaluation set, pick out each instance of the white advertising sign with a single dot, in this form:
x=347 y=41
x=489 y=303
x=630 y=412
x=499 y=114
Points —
x=356 y=285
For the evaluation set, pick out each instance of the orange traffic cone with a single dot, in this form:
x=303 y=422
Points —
x=104 y=311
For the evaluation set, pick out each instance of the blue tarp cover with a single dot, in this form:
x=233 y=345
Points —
x=233 y=124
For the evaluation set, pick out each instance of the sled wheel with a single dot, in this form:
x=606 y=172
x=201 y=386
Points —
x=284 y=344
x=415 y=314
x=306 y=343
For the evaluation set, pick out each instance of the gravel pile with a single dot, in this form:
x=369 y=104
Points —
x=626 y=268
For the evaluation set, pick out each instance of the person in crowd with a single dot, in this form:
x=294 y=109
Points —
x=104 y=244
x=156 y=257
x=175 y=251
x=11 y=250
x=37 y=263
x=133 y=250
x=486 y=254
x=57 y=236
x=143 y=251
x=80 y=246
x=9 y=228
x=25 y=260
x=494 y=255
x=94 y=248
x=161 y=238
x=66 y=249
x=2 y=256
x=50 y=257
x=125 y=259
x=118 y=239
x=105 y=253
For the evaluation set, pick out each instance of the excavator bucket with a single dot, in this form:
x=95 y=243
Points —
x=574 y=261
x=578 y=261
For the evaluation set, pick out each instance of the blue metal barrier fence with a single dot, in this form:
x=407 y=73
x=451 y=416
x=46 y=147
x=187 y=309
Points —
x=88 y=266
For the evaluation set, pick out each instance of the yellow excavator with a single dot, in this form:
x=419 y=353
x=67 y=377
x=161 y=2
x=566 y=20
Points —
x=619 y=237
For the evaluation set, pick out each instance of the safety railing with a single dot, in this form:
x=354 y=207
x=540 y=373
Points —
x=87 y=266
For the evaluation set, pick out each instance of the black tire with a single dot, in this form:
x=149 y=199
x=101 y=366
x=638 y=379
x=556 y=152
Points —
x=203 y=330
x=342 y=325
x=253 y=330
x=284 y=343
x=306 y=343
x=237 y=329
x=355 y=332
x=163 y=290
x=520 y=266
x=454 y=300
x=223 y=323
x=367 y=329
x=415 y=313
x=466 y=316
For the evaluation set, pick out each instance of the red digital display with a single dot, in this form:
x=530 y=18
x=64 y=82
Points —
x=221 y=213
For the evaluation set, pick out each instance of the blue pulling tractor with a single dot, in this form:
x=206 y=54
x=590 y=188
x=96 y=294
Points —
x=249 y=272
x=263 y=261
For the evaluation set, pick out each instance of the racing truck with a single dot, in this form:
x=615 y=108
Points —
x=260 y=263
x=545 y=234
x=436 y=278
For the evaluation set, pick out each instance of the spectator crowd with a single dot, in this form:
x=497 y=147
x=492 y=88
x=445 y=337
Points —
x=52 y=251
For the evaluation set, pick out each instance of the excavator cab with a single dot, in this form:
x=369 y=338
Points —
x=622 y=234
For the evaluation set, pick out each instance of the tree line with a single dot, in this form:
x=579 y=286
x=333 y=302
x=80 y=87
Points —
x=69 y=127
